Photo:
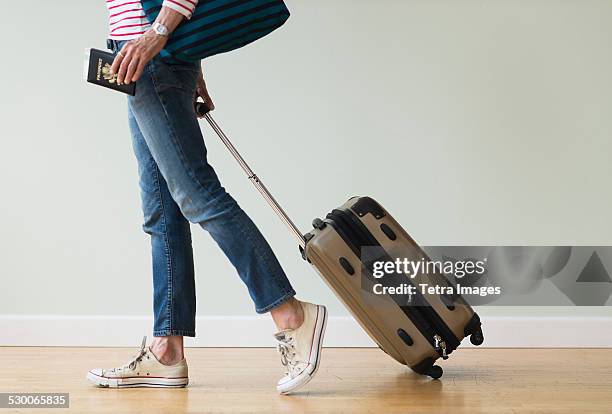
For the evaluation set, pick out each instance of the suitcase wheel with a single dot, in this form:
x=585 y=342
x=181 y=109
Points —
x=427 y=367
x=435 y=371
x=477 y=338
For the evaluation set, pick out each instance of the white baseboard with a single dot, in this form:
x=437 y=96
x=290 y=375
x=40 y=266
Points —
x=256 y=331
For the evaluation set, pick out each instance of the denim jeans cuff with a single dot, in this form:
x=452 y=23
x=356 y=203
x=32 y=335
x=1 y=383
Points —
x=174 y=332
x=277 y=302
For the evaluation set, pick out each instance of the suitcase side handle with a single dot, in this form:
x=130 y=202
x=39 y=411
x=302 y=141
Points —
x=202 y=110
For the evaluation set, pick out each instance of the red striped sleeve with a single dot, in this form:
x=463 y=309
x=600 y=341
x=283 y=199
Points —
x=124 y=11
x=127 y=34
x=185 y=7
x=129 y=25
x=141 y=17
x=127 y=19
x=123 y=4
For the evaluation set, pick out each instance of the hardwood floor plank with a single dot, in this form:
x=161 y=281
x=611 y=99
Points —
x=349 y=380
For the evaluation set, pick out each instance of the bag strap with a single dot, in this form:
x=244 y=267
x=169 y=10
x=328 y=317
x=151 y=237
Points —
x=252 y=176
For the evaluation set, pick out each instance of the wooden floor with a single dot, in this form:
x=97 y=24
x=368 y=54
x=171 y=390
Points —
x=349 y=380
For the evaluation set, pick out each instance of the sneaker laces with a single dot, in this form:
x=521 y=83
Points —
x=131 y=364
x=286 y=348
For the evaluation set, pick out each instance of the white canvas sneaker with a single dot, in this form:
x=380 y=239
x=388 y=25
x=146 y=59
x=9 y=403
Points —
x=300 y=349
x=143 y=370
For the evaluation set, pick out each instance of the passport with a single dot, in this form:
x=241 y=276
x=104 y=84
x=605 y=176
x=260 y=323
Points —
x=97 y=71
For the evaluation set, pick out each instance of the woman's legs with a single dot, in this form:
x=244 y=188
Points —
x=164 y=113
x=179 y=186
x=168 y=142
x=172 y=256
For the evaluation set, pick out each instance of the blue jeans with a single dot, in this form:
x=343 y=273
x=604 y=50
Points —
x=179 y=186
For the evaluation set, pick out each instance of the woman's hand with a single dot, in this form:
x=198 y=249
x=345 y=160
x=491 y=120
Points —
x=202 y=92
x=132 y=59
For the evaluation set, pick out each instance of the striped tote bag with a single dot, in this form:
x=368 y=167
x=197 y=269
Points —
x=218 y=26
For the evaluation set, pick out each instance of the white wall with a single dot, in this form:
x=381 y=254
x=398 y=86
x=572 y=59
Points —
x=475 y=122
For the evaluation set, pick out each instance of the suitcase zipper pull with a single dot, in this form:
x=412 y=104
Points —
x=440 y=346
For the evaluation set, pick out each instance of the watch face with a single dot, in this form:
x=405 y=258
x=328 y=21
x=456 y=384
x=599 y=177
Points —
x=160 y=29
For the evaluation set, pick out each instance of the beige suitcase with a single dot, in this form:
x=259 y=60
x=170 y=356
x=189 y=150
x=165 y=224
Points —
x=414 y=329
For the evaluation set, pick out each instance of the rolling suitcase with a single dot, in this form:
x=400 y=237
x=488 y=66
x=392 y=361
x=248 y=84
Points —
x=415 y=332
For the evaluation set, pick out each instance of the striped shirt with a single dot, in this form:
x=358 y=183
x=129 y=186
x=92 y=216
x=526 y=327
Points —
x=127 y=20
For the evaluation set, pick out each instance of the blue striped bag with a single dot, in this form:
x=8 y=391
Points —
x=218 y=26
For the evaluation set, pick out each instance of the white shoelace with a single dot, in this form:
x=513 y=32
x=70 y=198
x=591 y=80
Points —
x=286 y=348
x=131 y=364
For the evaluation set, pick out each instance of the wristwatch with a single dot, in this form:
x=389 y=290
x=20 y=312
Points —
x=160 y=29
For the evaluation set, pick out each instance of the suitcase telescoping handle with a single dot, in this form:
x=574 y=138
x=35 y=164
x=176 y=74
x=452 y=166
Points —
x=202 y=109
